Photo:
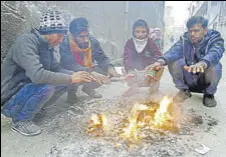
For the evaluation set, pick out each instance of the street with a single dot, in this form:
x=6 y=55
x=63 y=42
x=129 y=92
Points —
x=57 y=130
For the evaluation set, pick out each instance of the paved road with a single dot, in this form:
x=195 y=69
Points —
x=14 y=144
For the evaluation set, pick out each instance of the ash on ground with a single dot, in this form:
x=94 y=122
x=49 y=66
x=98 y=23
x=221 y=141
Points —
x=70 y=124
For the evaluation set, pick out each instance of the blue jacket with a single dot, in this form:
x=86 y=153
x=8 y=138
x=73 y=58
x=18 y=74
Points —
x=98 y=56
x=210 y=50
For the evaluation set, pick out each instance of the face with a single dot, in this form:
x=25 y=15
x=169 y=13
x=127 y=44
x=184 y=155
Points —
x=55 y=39
x=196 y=33
x=157 y=32
x=82 y=39
x=140 y=32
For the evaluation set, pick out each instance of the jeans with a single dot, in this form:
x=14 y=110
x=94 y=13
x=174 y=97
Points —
x=201 y=82
x=30 y=99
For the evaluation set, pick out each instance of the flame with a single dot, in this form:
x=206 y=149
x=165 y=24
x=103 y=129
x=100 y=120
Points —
x=162 y=114
x=141 y=116
x=95 y=119
x=104 y=121
x=98 y=122
x=131 y=130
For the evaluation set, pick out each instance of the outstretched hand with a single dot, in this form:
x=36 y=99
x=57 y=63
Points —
x=81 y=76
x=155 y=66
x=100 y=78
x=196 y=68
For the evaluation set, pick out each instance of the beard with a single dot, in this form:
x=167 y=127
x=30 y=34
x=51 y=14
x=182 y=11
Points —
x=83 y=45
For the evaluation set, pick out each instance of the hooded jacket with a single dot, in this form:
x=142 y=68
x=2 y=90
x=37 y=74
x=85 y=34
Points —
x=210 y=50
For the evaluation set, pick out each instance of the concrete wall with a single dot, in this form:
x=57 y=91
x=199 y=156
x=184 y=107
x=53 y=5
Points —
x=110 y=21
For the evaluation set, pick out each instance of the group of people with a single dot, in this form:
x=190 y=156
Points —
x=49 y=61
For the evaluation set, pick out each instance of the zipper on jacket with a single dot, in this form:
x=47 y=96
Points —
x=193 y=55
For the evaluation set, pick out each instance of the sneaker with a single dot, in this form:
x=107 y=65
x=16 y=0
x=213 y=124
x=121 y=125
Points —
x=182 y=96
x=209 y=100
x=72 y=98
x=91 y=92
x=27 y=128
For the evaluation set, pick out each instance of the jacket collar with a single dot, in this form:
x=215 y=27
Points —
x=210 y=35
x=42 y=40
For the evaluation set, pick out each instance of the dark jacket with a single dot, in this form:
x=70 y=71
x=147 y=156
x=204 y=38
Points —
x=30 y=59
x=133 y=60
x=210 y=50
x=68 y=61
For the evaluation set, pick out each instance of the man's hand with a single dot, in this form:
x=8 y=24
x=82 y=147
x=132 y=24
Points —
x=81 y=76
x=155 y=66
x=198 y=67
x=113 y=73
x=100 y=78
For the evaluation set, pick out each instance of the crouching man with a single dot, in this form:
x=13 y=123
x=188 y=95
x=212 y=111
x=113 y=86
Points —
x=79 y=51
x=31 y=75
x=194 y=61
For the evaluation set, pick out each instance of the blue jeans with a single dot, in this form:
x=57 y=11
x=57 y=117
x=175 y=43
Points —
x=201 y=82
x=30 y=99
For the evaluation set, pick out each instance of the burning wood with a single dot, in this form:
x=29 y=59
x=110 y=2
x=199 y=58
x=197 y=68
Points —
x=98 y=123
x=142 y=115
x=162 y=114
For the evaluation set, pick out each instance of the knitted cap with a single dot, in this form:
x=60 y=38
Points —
x=52 y=21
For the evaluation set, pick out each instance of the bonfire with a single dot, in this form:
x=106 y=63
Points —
x=154 y=116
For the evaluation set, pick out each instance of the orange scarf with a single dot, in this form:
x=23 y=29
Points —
x=87 y=62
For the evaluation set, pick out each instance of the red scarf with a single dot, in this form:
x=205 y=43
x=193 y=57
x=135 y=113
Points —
x=87 y=62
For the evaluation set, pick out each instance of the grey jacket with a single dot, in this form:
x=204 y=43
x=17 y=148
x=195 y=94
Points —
x=31 y=60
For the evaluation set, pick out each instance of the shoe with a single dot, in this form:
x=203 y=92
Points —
x=27 y=128
x=91 y=92
x=209 y=100
x=182 y=95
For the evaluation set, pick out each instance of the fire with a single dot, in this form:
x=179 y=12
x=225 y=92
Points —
x=141 y=116
x=162 y=114
x=131 y=130
x=95 y=119
x=98 y=122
